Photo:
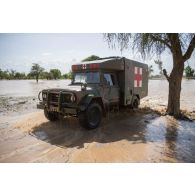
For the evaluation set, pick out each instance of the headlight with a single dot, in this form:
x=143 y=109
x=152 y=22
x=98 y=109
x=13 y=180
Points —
x=44 y=95
x=73 y=98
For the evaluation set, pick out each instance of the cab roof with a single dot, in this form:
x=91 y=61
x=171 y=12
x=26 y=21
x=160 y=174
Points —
x=101 y=60
x=110 y=63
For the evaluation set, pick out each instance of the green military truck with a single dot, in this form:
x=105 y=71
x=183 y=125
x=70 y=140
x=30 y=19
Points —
x=96 y=87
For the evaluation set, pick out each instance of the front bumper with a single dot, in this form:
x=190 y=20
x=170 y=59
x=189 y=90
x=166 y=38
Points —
x=58 y=102
x=62 y=110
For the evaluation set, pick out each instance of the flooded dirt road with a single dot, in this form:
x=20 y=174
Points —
x=128 y=136
x=124 y=137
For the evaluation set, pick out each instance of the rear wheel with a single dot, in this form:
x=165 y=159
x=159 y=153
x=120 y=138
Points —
x=91 y=118
x=51 y=116
x=135 y=102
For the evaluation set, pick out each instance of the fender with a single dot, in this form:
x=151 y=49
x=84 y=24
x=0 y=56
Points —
x=86 y=100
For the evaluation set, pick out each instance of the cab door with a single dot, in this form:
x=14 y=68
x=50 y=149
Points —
x=111 y=92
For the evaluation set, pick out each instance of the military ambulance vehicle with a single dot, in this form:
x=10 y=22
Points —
x=96 y=88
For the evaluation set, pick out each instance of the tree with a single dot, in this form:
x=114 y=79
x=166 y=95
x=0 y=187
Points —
x=181 y=47
x=160 y=66
x=91 y=58
x=56 y=74
x=4 y=74
x=19 y=75
x=150 y=70
x=68 y=75
x=46 y=75
x=36 y=70
x=1 y=74
x=189 y=72
x=12 y=74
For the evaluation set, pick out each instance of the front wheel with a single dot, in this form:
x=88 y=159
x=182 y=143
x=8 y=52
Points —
x=91 y=118
x=51 y=116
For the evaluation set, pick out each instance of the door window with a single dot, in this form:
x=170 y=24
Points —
x=109 y=79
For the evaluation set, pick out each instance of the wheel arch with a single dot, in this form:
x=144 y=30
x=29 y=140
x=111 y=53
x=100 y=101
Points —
x=87 y=100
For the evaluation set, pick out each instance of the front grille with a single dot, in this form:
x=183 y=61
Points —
x=54 y=97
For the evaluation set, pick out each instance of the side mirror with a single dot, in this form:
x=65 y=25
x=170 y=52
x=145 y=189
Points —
x=83 y=86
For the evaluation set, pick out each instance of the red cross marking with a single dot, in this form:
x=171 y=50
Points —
x=138 y=77
x=84 y=66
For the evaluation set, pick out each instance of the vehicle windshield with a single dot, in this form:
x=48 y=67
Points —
x=86 y=77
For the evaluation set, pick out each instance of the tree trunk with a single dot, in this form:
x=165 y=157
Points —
x=37 y=78
x=175 y=80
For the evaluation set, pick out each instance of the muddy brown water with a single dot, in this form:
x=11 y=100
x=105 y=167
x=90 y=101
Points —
x=128 y=136
x=12 y=92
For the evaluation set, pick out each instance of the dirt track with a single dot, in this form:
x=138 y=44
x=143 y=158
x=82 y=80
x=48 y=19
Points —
x=123 y=137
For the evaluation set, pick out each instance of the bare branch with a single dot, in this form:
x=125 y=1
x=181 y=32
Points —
x=166 y=75
x=190 y=49
x=163 y=41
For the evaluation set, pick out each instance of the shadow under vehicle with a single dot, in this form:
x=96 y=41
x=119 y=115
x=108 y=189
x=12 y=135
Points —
x=96 y=87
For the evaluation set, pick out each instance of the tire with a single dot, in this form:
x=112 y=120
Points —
x=135 y=102
x=51 y=116
x=91 y=118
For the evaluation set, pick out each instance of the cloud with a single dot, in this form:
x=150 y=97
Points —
x=46 y=54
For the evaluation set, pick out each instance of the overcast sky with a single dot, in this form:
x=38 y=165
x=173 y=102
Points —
x=19 y=51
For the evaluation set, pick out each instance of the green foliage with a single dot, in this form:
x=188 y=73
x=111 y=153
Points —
x=4 y=74
x=55 y=73
x=19 y=75
x=189 y=72
x=52 y=74
x=68 y=75
x=36 y=69
x=37 y=72
x=91 y=58
x=46 y=75
x=12 y=74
